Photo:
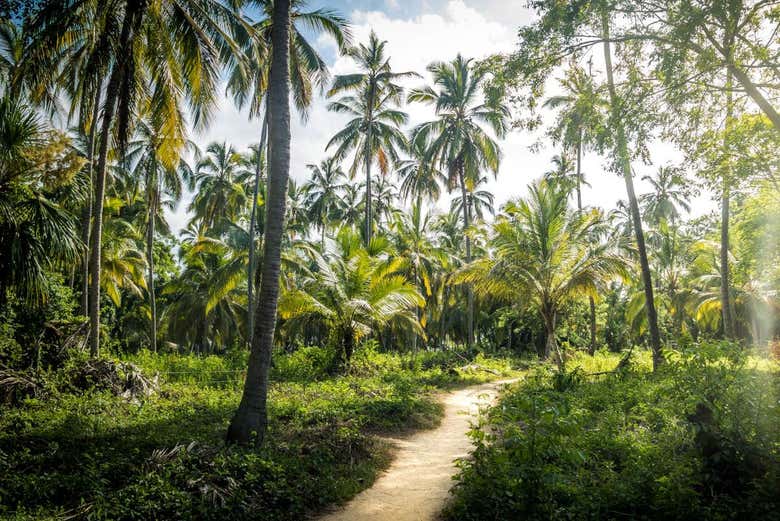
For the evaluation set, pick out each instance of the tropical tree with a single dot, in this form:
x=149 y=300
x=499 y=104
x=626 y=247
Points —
x=543 y=253
x=353 y=292
x=251 y=419
x=456 y=140
x=161 y=179
x=420 y=178
x=308 y=71
x=670 y=195
x=220 y=179
x=322 y=191
x=37 y=233
x=374 y=128
x=167 y=52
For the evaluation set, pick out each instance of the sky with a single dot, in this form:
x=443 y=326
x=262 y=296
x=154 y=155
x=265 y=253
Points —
x=417 y=33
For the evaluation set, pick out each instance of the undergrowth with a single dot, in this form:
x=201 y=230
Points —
x=93 y=454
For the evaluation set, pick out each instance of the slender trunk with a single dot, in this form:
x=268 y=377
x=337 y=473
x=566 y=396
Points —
x=369 y=132
x=591 y=302
x=251 y=419
x=86 y=216
x=755 y=94
x=150 y=263
x=725 y=282
x=592 y=348
x=251 y=269
x=469 y=289
x=625 y=164
x=96 y=234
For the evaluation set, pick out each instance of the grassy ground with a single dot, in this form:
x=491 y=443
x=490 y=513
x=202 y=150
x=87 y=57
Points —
x=698 y=440
x=97 y=455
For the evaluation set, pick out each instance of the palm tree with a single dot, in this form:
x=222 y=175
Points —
x=543 y=253
x=162 y=179
x=579 y=117
x=353 y=293
x=220 y=180
x=37 y=232
x=308 y=71
x=670 y=195
x=479 y=202
x=322 y=191
x=251 y=419
x=373 y=132
x=420 y=178
x=167 y=50
x=350 y=204
x=456 y=140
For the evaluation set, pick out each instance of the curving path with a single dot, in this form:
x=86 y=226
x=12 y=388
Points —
x=417 y=484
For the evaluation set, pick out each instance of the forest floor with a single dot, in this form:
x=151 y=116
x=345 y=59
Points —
x=417 y=484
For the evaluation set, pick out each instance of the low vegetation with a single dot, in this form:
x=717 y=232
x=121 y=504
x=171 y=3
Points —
x=94 y=451
x=700 y=439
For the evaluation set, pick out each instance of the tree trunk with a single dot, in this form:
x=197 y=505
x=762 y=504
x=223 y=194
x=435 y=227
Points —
x=625 y=164
x=251 y=269
x=754 y=93
x=97 y=220
x=150 y=261
x=86 y=216
x=251 y=419
x=591 y=302
x=550 y=343
x=725 y=203
x=469 y=289
x=592 y=348
x=369 y=158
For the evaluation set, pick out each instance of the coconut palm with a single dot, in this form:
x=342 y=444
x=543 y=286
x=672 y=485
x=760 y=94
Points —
x=420 y=177
x=350 y=204
x=543 y=253
x=579 y=118
x=251 y=419
x=670 y=195
x=162 y=54
x=308 y=71
x=220 y=179
x=353 y=293
x=456 y=140
x=374 y=128
x=479 y=202
x=322 y=191
x=161 y=179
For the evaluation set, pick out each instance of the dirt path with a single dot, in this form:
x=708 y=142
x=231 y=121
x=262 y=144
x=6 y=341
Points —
x=417 y=484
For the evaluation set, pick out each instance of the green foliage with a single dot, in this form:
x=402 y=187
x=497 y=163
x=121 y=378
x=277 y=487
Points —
x=698 y=440
x=92 y=453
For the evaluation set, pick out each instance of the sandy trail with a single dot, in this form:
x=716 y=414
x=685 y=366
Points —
x=417 y=484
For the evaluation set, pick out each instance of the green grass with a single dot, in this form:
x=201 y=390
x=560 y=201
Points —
x=698 y=440
x=106 y=457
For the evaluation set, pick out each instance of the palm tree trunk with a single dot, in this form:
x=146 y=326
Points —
x=469 y=289
x=591 y=302
x=86 y=216
x=150 y=264
x=369 y=215
x=251 y=419
x=250 y=276
x=550 y=343
x=97 y=221
x=625 y=164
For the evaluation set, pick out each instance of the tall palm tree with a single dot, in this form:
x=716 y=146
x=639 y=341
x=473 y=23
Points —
x=220 y=179
x=251 y=419
x=456 y=140
x=670 y=195
x=479 y=202
x=580 y=115
x=624 y=163
x=374 y=130
x=353 y=292
x=543 y=253
x=308 y=71
x=168 y=51
x=322 y=191
x=162 y=179
x=420 y=177
x=350 y=204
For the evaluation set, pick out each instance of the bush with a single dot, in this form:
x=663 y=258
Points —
x=698 y=440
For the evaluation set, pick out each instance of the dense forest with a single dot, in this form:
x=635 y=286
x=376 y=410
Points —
x=250 y=364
